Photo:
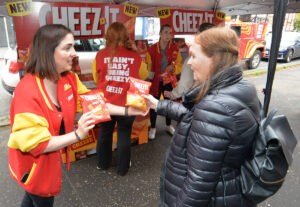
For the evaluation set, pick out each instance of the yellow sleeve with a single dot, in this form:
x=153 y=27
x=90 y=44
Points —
x=149 y=61
x=81 y=89
x=28 y=131
x=178 y=64
x=94 y=71
x=143 y=72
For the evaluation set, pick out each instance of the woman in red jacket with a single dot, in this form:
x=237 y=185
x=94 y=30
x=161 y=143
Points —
x=111 y=70
x=162 y=56
x=42 y=116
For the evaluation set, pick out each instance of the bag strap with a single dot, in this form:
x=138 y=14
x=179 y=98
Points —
x=283 y=132
x=268 y=119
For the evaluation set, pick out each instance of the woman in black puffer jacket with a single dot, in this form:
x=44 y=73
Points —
x=214 y=132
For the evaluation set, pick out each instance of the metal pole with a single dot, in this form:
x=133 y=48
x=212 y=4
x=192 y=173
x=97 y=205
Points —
x=6 y=32
x=280 y=7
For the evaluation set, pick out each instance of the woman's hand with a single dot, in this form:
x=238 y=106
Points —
x=137 y=112
x=85 y=123
x=151 y=101
x=170 y=68
x=169 y=95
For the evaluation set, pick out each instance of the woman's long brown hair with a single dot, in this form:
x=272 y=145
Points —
x=117 y=35
x=222 y=45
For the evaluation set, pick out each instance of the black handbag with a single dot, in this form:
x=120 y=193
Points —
x=263 y=174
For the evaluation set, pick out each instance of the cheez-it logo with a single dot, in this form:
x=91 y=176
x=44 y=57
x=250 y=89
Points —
x=67 y=86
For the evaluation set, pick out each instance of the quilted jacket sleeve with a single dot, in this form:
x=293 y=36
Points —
x=171 y=109
x=211 y=132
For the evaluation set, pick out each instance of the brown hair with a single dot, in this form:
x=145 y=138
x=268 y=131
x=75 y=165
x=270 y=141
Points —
x=205 y=26
x=164 y=26
x=41 y=57
x=222 y=46
x=117 y=35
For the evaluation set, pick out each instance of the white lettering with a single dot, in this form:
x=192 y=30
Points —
x=45 y=9
x=189 y=22
x=141 y=86
x=112 y=89
x=92 y=98
x=108 y=11
x=184 y=22
x=85 y=21
x=131 y=60
x=175 y=14
x=97 y=12
x=106 y=60
x=64 y=18
x=209 y=17
x=72 y=20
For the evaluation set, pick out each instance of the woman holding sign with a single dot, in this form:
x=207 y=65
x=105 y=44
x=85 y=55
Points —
x=112 y=68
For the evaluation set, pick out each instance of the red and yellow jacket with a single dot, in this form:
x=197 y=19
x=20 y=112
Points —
x=114 y=82
x=34 y=120
x=154 y=58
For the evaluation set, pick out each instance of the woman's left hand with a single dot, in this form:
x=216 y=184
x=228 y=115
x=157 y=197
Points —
x=137 y=112
x=170 y=68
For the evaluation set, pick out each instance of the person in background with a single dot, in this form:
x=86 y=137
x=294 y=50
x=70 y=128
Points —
x=215 y=132
x=111 y=70
x=163 y=55
x=186 y=78
x=42 y=116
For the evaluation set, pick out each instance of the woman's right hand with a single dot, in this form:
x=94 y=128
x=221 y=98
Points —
x=85 y=124
x=151 y=101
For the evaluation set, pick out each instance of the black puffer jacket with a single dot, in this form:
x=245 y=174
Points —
x=211 y=141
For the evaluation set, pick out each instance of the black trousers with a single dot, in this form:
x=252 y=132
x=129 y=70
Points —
x=30 y=200
x=104 y=143
x=162 y=88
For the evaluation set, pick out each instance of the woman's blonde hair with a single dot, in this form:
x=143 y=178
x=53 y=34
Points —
x=222 y=46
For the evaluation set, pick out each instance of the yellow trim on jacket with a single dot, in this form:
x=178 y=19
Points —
x=81 y=89
x=38 y=80
x=30 y=173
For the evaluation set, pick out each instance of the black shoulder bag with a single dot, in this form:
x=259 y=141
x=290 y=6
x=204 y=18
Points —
x=263 y=174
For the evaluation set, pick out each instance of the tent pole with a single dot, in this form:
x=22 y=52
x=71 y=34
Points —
x=280 y=7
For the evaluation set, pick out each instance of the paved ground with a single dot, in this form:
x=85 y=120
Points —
x=84 y=186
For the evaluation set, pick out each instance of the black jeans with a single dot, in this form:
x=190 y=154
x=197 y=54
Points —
x=30 y=200
x=104 y=143
x=153 y=114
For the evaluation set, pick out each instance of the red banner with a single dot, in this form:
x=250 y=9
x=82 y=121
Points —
x=86 y=20
x=188 y=21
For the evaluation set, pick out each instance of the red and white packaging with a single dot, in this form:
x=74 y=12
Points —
x=94 y=101
x=134 y=94
x=167 y=77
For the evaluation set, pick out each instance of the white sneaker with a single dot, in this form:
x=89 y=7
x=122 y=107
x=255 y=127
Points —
x=170 y=130
x=152 y=132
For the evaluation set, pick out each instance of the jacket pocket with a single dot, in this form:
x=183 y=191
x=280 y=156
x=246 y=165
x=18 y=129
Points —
x=30 y=174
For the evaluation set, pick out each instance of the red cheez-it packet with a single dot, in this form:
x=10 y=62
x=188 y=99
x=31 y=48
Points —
x=167 y=77
x=94 y=101
x=134 y=94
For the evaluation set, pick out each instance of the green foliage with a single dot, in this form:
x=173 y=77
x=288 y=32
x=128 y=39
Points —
x=297 y=22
